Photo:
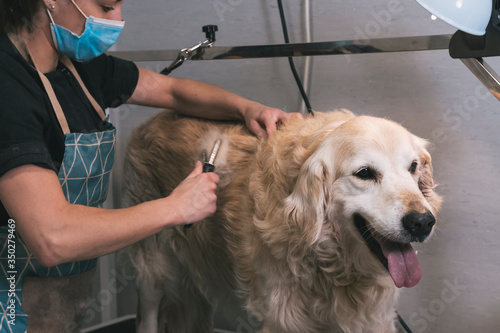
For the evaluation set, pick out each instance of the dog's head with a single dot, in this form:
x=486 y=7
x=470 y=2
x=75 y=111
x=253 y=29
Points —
x=372 y=179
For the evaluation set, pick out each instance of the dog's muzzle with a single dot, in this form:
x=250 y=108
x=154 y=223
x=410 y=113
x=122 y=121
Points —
x=398 y=258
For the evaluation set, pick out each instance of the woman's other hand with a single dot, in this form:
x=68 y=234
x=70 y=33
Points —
x=262 y=120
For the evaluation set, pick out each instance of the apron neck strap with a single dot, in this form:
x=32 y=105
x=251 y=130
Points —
x=61 y=118
x=55 y=103
x=67 y=62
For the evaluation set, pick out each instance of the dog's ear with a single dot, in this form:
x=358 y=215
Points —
x=426 y=182
x=305 y=207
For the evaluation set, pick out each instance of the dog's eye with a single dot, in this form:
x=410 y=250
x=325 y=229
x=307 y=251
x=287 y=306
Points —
x=366 y=174
x=413 y=167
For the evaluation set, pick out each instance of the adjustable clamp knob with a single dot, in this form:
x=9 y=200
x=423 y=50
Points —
x=209 y=31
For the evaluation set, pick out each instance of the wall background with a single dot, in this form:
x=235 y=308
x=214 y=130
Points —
x=433 y=95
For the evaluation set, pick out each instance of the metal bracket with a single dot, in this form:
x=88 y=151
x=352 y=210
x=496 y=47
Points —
x=193 y=52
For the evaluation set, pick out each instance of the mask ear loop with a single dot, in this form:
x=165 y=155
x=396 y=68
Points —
x=86 y=17
x=52 y=24
x=50 y=16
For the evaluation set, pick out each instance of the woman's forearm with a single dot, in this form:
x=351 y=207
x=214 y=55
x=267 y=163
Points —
x=57 y=231
x=203 y=100
x=188 y=97
x=88 y=232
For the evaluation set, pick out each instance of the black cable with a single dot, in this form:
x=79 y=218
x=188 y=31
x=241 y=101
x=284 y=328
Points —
x=290 y=61
x=402 y=322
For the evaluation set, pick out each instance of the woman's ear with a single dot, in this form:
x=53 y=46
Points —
x=426 y=182
x=305 y=207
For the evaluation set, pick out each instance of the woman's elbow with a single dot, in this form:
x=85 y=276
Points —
x=49 y=252
x=47 y=260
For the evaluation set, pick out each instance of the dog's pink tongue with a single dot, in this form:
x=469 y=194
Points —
x=404 y=267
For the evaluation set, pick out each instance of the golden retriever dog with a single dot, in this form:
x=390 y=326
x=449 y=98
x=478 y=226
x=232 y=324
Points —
x=312 y=230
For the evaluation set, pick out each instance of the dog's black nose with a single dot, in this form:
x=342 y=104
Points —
x=418 y=225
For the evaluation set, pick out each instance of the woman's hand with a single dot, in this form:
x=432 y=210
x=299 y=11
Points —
x=262 y=120
x=195 y=197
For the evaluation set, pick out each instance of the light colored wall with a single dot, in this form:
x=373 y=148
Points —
x=433 y=95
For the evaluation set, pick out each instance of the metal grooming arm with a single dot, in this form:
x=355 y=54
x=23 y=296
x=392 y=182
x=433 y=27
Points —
x=468 y=49
x=379 y=45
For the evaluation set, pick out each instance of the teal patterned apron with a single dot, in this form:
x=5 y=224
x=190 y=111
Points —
x=84 y=175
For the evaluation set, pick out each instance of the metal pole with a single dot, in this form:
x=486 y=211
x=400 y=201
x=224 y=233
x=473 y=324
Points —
x=378 y=45
x=485 y=74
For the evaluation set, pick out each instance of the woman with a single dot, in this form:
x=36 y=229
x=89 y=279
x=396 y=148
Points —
x=56 y=152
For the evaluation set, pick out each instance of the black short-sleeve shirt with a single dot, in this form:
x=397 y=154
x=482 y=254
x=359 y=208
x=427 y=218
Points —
x=29 y=130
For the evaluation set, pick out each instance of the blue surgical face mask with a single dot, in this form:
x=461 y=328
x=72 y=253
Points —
x=98 y=37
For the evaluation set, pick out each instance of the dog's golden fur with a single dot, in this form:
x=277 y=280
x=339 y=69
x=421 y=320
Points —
x=283 y=236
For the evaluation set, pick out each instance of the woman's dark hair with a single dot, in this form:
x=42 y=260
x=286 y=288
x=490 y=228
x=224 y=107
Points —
x=16 y=14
